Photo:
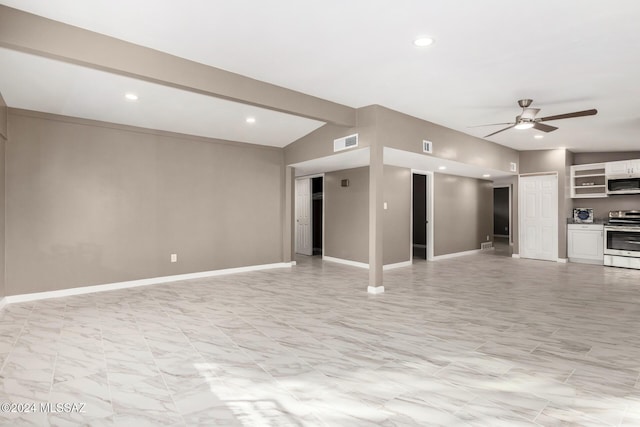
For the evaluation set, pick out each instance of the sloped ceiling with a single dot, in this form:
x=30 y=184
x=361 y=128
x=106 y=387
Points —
x=566 y=55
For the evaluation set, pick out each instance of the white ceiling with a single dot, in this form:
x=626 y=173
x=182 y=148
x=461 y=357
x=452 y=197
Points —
x=41 y=84
x=567 y=55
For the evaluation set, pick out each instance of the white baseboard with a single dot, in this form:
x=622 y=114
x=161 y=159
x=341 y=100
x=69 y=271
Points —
x=456 y=254
x=142 y=282
x=375 y=289
x=586 y=261
x=397 y=265
x=563 y=260
x=345 y=262
x=364 y=265
x=515 y=256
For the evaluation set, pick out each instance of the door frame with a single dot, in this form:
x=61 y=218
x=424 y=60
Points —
x=510 y=211
x=295 y=198
x=429 y=199
x=521 y=195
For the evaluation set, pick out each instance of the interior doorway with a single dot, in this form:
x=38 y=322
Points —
x=502 y=220
x=420 y=217
x=309 y=212
x=317 y=207
x=501 y=209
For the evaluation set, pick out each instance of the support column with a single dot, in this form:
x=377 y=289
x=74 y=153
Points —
x=376 y=212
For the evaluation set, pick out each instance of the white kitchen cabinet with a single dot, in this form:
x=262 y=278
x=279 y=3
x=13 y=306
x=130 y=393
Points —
x=585 y=243
x=588 y=181
x=625 y=167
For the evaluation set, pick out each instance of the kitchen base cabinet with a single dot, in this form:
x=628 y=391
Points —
x=585 y=243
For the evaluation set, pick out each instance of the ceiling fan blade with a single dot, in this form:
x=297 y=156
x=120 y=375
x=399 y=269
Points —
x=501 y=130
x=544 y=128
x=568 y=115
x=529 y=113
x=491 y=124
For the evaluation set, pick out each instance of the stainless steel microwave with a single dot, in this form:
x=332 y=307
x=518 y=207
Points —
x=623 y=184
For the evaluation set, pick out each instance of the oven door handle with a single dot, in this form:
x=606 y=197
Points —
x=620 y=228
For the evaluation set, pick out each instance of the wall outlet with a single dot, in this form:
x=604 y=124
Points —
x=487 y=237
x=174 y=257
x=385 y=206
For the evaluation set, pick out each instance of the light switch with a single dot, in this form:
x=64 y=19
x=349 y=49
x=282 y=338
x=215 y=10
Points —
x=385 y=206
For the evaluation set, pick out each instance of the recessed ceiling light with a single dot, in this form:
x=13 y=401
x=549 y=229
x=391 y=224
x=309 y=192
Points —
x=538 y=136
x=251 y=120
x=423 y=41
x=486 y=175
x=442 y=167
x=131 y=96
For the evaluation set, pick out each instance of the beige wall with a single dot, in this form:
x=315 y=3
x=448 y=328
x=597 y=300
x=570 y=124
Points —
x=92 y=203
x=553 y=161
x=403 y=132
x=346 y=215
x=346 y=222
x=397 y=217
x=463 y=213
x=612 y=156
x=3 y=118
x=602 y=206
x=319 y=143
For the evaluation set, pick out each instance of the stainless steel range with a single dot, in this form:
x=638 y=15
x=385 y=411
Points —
x=622 y=239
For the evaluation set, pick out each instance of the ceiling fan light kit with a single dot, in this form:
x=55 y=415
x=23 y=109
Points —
x=524 y=125
x=527 y=118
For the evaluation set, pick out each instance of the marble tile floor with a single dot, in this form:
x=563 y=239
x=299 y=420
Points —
x=472 y=341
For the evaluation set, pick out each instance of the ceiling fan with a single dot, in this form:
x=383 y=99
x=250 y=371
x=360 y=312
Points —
x=527 y=119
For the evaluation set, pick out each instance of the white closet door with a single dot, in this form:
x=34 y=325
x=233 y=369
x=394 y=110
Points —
x=538 y=212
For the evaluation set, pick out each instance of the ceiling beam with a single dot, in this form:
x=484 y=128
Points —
x=34 y=34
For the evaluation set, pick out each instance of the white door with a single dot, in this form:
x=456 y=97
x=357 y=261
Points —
x=303 y=217
x=538 y=211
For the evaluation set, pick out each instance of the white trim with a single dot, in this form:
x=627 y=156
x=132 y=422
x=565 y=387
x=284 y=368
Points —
x=456 y=254
x=324 y=214
x=397 y=265
x=410 y=219
x=375 y=290
x=521 y=200
x=563 y=260
x=430 y=215
x=517 y=256
x=430 y=194
x=345 y=262
x=3 y=302
x=313 y=175
x=295 y=215
x=310 y=177
x=142 y=282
